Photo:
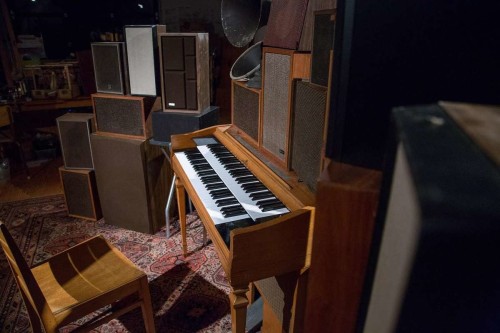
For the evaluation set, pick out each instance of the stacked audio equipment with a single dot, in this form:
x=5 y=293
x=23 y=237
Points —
x=143 y=58
x=166 y=124
x=77 y=174
x=126 y=116
x=280 y=68
x=185 y=79
x=110 y=67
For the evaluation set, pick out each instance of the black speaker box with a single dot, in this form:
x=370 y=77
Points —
x=245 y=110
x=110 y=67
x=132 y=179
x=309 y=129
x=80 y=193
x=184 y=63
x=126 y=116
x=74 y=135
x=324 y=27
x=166 y=124
x=142 y=58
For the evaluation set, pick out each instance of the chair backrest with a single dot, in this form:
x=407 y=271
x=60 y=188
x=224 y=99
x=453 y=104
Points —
x=28 y=286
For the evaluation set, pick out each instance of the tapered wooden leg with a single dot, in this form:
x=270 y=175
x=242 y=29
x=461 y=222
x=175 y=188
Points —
x=147 y=309
x=239 y=303
x=181 y=203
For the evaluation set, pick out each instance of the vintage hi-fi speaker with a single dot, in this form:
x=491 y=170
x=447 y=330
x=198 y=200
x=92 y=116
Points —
x=245 y=110
x=74 y=134
x=280 y=67
x=110 y=67
x=132 y=177
x=285 y=23
x=184 y=63
x=309 y=127
x=142 y=56
x=80 y=193
x=127 y=116
x=307 y=35
x=166 y=124
x=321 y=55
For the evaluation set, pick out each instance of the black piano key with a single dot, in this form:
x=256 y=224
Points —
x=240 y=172
x=233 y=166
x=226 y=202
x=215 y=186
x=201 y=167
x=261 y=195
x=246 y=179
x=234 y=213
x=253 y=186
x=268 y=202
x=277 y=206
x=218 y=194
x=206 y=173
x=210 y=179
x=233 y=208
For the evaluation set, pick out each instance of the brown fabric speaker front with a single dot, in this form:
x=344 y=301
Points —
x=284 y=26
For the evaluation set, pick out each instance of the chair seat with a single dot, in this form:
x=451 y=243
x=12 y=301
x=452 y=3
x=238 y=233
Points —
x=85 y=273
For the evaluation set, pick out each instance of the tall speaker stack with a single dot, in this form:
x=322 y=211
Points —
x=131 y=174
x=77 y=174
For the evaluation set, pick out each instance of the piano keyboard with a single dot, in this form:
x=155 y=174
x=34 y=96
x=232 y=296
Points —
x=229 y=191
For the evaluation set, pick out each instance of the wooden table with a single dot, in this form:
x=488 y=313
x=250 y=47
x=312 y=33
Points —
x=55 y=104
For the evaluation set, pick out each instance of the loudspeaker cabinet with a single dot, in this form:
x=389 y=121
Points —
x=123 y=116
x=110 y=67
x=280 y=67
x=246 y=111
x=184 y=66
x=74 y=135
x=80 y=193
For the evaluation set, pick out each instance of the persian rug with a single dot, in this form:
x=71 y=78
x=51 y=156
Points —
x=188 y=294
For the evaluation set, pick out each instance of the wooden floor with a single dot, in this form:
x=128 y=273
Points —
x=44 y=180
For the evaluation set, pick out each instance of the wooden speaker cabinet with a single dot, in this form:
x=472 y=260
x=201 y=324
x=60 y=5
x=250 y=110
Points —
x=74 y=134
x=285 y=23
x=80 y=193
x=280 y=67
x=110 y=67
x=125 y=116
x=322 y=48
x=132 y=176
x=184 y=65
x=246 y=111
x=142 y=58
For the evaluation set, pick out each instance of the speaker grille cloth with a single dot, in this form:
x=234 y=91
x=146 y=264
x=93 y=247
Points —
x=306 y=38
x=121 y=116
x=108 y=68
x=246 y=111
x=275 y=129
x=75 y=144
x=141 y=60
x=77 y=192
x=285 y=23
x=309 y=123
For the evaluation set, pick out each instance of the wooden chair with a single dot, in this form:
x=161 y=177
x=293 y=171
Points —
x=76 y=282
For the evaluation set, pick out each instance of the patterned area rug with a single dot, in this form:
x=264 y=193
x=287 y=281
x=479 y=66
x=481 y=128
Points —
x=188 y=294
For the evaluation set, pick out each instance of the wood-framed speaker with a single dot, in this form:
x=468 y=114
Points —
x=309 y=131
x=125 y=116
x=246 y=111
x=110 y=67
x=313 y=6
x=143 y=58
x=80 y=193
x=133 y=180
x=280 y=68
x=74 y=135
x=185 y=71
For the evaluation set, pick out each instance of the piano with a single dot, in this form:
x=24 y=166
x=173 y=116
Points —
x=260 y=223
